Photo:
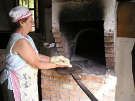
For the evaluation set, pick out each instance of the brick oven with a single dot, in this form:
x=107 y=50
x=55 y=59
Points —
x=72 y=17
x=83 y=30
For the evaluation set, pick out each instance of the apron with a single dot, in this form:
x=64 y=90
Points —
x=22 y=78
x=24 y=82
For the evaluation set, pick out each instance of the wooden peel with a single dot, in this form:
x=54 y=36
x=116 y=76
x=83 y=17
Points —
x=74 y=71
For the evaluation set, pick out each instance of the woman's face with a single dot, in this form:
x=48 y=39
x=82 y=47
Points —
x=28 y=24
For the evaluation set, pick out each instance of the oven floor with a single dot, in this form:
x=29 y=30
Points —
x=89 y=66
x=92 y=67
x=99 y=59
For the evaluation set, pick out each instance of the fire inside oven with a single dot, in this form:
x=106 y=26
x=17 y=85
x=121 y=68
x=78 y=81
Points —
x=85 y=40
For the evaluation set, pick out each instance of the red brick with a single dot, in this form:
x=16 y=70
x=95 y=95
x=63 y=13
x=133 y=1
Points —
x=58 y=90
x=63 y=91
x=45 y=87
x=110 y=64
x=69 y=86
x=83 y=95
x=110 y=59
x=54 y=99
x=109 y=44
x=87 y=83
x=57 y=84
x=94 y=91
x=108 y=34
x=60 y=79
x=55 y=30
x=50 y=93
x=43 y=81
x=72 y=98
x=74 y=93
x=84 y=77
x=55 y=89
x=72 y=81
x=55 y=73
x=67 y=76
x=60 y=49
x=61 y=53
x=109 y=39
x=50 y=72
x=51 y=83
x=64 y=96
x=97 y=85
x=92 y=78
x=45 y=76
x=45 y=97
x=59 y=45
x=109 y=54
x=109 y=49
x=45 y=71
x=58 y=40
x=57 y=35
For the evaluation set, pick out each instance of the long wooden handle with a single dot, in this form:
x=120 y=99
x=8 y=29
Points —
x=83 y=87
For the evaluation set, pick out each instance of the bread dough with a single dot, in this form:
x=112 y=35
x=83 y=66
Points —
x=56 y=60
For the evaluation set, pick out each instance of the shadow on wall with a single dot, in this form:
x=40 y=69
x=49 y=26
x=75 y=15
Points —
x=1 y=95
x=133 y=64
x=2 y=65
x=4 y=38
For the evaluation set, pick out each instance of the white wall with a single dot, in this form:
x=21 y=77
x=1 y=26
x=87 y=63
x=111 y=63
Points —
x=125 y=86
x=110 y=7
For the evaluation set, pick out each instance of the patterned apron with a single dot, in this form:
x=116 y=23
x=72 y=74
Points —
x=24 y=82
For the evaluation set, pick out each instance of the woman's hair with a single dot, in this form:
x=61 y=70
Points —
x=17 y=24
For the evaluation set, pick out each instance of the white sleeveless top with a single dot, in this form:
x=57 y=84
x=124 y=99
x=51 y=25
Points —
x=22 y=78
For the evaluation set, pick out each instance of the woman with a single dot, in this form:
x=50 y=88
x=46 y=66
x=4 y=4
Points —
x=19 y=78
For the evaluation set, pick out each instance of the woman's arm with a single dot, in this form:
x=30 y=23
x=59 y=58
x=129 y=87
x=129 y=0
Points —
x=23 y=48
x=44 y=58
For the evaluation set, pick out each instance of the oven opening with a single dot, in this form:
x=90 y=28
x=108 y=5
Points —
x=90 y=45
x=85 y=40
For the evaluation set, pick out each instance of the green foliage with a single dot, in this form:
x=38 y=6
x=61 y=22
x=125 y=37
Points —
x=27 y=3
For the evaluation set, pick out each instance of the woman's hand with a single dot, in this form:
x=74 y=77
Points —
x=62 y=66
x=60 y=60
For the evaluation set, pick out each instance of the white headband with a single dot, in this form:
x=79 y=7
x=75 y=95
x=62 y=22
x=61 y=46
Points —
x=19 y=13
